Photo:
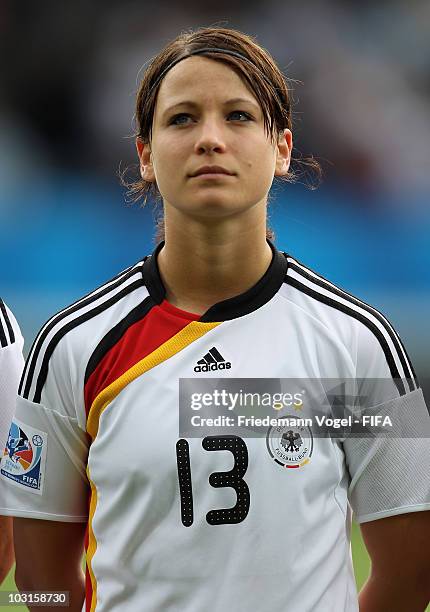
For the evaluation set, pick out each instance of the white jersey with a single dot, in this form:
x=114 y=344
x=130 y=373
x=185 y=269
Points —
x=11 y=365
x=185 y=525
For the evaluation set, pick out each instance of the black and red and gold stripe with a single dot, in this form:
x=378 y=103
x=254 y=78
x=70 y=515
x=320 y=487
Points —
x=146 y=337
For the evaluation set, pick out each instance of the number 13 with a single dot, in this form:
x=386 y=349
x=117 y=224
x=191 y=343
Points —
x=233 y=478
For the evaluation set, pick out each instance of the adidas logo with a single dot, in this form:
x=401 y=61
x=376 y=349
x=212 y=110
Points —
x=213 y=360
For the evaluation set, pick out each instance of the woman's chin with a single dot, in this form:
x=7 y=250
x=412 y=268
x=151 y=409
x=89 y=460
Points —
x=213 y=206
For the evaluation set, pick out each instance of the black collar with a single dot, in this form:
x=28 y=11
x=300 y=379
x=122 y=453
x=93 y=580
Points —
x=234 y=307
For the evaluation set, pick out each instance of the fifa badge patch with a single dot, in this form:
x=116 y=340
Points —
x=23 y=461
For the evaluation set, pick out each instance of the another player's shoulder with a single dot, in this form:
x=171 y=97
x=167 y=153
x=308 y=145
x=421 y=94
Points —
x=71 y=334
x=10 y=333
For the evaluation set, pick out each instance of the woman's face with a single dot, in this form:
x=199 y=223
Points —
x=206 y=116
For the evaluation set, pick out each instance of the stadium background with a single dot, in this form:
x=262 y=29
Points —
x=69 y=75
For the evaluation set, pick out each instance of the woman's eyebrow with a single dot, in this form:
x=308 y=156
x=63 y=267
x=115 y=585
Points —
x=192 y=104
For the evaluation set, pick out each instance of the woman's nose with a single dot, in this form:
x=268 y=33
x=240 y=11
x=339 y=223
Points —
x=210 y=138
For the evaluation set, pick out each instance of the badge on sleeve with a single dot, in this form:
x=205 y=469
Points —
x=23 y=461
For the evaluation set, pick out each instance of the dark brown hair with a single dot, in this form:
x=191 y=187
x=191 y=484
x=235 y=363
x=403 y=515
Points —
x=260 y=73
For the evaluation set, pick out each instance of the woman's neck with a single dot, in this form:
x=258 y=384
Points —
x=199 y=271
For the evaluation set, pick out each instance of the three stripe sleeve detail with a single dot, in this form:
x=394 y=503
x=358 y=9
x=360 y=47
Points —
x=322 y=290
x=36 y=368
x=7 y=335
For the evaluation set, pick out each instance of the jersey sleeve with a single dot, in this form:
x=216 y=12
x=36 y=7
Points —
x=43 y=468
x=11 y=364
x=389 y=466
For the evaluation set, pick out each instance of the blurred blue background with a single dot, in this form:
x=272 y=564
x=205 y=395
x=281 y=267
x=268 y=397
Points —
x=362 y=93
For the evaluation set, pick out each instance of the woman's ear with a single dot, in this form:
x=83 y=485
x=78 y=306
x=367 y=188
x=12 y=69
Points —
x=283 y=153
x=145 y=160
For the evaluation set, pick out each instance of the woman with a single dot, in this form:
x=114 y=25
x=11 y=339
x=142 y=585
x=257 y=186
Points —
x=171 y=524
x=11 y=364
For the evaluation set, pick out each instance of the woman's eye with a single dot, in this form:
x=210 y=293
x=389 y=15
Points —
x=247 y=117
x=184 y=118
x=178 y=119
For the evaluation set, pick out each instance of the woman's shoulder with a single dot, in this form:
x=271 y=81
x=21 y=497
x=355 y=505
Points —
x=326 y=300
x=364 y=331
x=68 y=338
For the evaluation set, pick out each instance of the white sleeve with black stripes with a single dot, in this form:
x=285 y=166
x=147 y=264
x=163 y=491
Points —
x=389 y=474
x=11 y=364
x=389 y=469
x=43 y=473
